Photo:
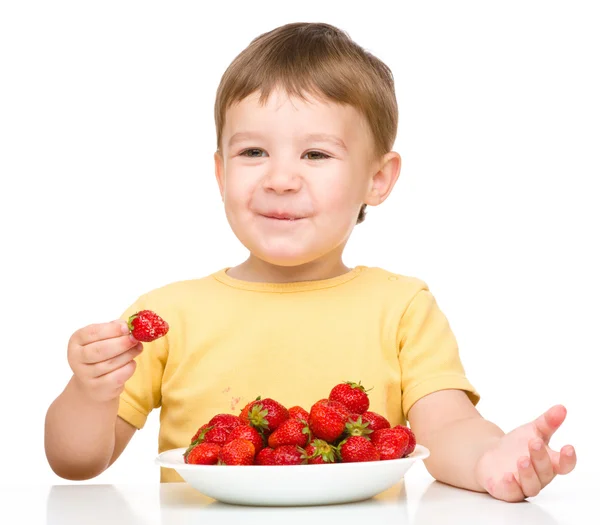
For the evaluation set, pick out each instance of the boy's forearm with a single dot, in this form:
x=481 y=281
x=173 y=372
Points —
x=79 y=435
x=456 y=448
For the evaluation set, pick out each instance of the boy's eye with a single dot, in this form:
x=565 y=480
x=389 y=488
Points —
x=257 y=153
x=316 y=155
x=252 y=152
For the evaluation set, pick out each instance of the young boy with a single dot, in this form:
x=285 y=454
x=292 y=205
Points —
x=306 y=121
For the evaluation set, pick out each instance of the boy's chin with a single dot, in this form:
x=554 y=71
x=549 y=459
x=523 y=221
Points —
x=285 y=260
x=288 y=257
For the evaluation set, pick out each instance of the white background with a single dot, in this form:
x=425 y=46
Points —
x=107 y=187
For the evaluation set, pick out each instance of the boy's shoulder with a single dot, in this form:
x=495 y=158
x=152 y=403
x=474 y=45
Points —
x=393 y=281
x=180 y=291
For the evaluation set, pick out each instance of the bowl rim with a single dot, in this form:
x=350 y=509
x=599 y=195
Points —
x=420 y=453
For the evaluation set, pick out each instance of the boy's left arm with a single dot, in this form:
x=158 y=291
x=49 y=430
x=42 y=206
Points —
x=469 y=452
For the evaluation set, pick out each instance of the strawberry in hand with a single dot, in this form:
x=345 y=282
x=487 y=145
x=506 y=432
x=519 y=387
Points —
x=146 y=326
x=521 y=464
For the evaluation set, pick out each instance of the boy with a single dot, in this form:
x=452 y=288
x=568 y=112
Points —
x=305 y=120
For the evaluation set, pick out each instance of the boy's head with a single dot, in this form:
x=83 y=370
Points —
x=305 y=120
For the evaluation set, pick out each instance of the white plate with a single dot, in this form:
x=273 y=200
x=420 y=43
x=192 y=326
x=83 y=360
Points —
x=292 y=485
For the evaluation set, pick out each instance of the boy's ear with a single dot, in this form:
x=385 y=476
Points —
x=220 y=172
x=383 y=180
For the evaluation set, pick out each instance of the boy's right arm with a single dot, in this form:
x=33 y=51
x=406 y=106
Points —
x=83 y=434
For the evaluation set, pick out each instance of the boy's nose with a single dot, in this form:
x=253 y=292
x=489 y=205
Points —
x=282 y=181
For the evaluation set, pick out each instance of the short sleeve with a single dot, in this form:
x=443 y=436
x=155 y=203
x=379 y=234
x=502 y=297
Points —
x=142 y=391
x=428 y=353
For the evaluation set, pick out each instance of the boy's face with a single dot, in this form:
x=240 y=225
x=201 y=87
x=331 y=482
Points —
x=293 y=175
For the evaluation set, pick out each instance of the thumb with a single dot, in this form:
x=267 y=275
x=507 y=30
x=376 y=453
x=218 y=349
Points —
x=550 y=421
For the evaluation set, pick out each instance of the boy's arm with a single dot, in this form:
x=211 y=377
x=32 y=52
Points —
x=470 y=452
x=447 y=423
x=83 y=437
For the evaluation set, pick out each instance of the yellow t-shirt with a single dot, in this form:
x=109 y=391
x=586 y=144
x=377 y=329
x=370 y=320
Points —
x=231 y=341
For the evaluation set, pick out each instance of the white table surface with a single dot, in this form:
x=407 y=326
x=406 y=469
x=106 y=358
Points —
x=418 y=500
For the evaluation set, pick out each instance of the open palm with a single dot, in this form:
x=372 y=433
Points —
x=522 y=463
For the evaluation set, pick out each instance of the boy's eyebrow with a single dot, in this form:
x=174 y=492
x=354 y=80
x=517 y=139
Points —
x=316 y=137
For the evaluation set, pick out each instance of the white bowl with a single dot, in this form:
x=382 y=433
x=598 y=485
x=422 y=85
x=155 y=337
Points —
x=292 y=485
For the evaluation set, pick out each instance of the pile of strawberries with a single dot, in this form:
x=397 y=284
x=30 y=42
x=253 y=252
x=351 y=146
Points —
x=337 y=429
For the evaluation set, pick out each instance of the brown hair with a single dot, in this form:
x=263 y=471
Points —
x=318 y=59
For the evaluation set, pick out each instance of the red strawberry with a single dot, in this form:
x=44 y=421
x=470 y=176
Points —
x=376 y=421
x=412 y=441
x=342 y=409
x=249 y=433
x=225 y=420
x=358 y=448
x=265 y=457
x=297 y=412
x=210 y=434
x=199 y=435
x=237 y=452
x=358 y=427
x=203 y=454
x=326 y=422
x=147 y=326
x=391 y=444
x=291 y=432
x=319 y=452
x=352 y=395
x=287 y=455
x=266 y=415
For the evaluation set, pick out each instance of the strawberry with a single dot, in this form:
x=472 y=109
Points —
x=203 y=454
x=225 y=420
x=147 y=326
x=287 y=455
x=265 y=457
x=266 y=415
x=390 y=443
x=376 y=421
x=358 y=448
x=319 y=452
x=297 y=412
x=291 y=432
x=332 y=403
x=326 y=422
x=249 y=433
x=352 y=395
x=199 y=435
x=341 y=408
x=412 y=441
x=237 y=452
x=211 y=434
x=356 y=427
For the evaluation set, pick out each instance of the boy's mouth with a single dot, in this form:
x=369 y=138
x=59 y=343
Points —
x=282 y=216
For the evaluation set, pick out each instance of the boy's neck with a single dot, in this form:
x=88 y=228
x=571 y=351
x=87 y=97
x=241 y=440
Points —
x=254 y=269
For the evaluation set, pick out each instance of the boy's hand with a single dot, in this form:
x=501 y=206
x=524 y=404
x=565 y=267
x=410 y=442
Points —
x=101 y=357
x=514 y=469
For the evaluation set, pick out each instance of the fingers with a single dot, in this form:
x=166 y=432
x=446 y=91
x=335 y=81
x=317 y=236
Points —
x=114 y=363
x=549 y=421
x=111 y=385
x=107 y=349
x=506 y=489
x=99 y=332
x=566 y=461
x=541 y=465
x=528 y=478
x=534 y=472
x=102 y=358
